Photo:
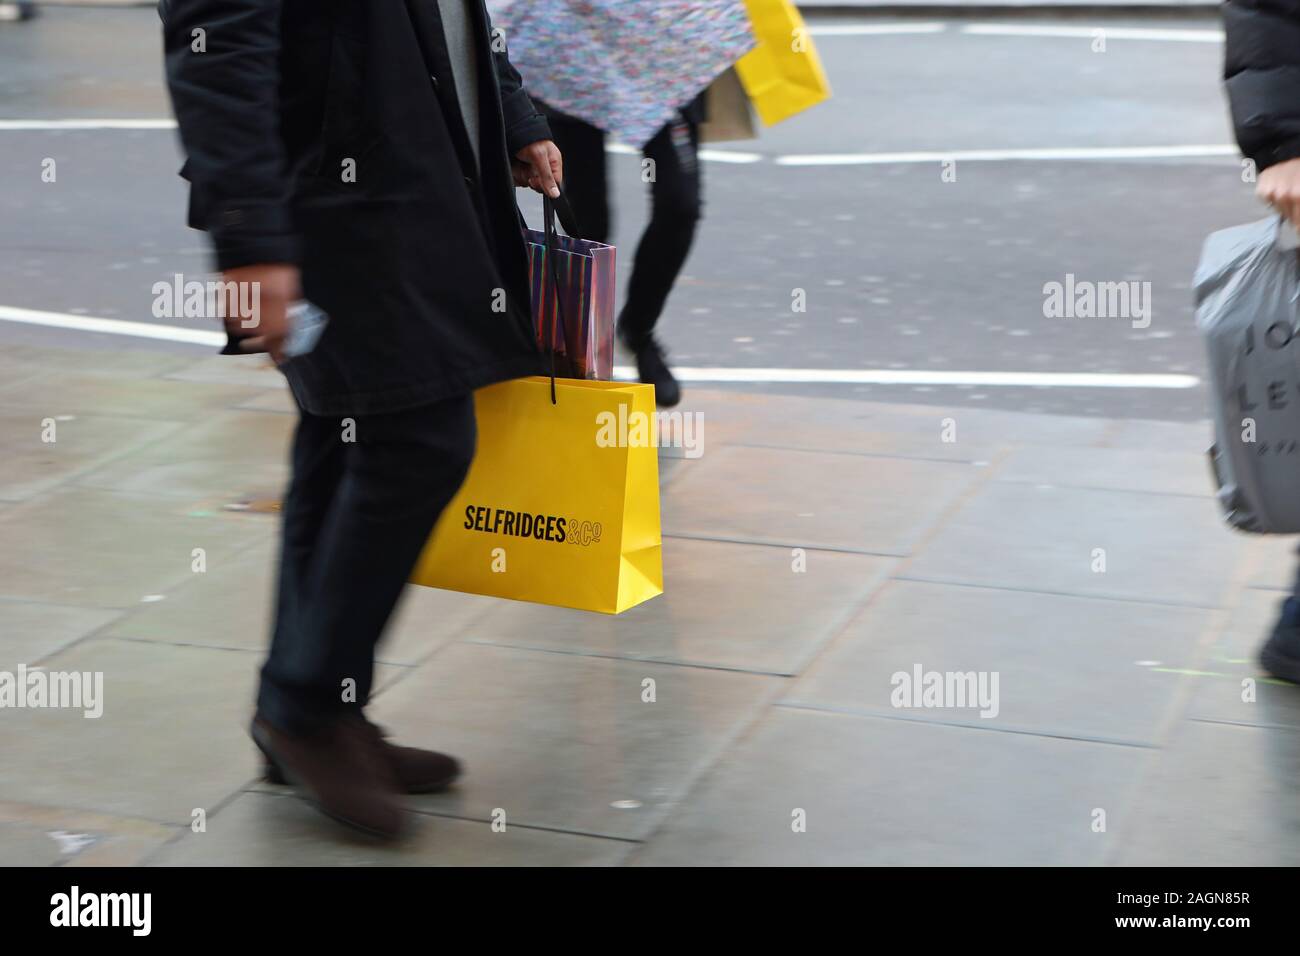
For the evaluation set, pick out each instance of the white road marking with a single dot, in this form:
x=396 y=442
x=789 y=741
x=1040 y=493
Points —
x=92 y=124
x=872 y=376
x=726 y=156
x=874 y=29
x=828 y=376
x=795 y=159
x=709 y=155
x=1000 y=155
x=87 y=323
x=38 y=125
x=1110 y=33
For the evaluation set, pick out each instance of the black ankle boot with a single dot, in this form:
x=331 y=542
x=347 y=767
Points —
x=1280 y=655
x=653 y=369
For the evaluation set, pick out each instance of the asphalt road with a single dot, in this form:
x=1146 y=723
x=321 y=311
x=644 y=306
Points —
x=902 y=270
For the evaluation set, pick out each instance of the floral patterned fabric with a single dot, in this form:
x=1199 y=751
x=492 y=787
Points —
x=625 y=66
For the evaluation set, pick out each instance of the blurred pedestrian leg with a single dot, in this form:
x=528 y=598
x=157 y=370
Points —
x=637 y=70
x=356 y=517
x=672 y=168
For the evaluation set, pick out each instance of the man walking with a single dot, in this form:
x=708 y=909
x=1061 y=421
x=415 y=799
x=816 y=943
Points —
x=361 y=156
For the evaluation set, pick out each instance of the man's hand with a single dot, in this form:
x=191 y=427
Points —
x=259 y=309
x=1279 y=186
x=539 y=167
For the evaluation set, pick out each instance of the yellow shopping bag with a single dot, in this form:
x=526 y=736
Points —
x=782 y=74
x=561 y=504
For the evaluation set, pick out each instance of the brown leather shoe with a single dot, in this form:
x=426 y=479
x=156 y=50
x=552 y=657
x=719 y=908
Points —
x=340 y=770
x=417 y=771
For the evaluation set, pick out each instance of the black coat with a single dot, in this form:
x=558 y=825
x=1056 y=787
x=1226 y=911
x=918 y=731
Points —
x=1262 y=73
x=413 y=261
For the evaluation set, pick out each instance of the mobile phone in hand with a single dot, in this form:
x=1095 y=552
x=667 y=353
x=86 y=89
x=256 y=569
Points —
x=306 y=323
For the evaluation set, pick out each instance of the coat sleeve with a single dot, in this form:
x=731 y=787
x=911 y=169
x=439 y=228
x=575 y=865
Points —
x=222 y=60
x=1261 y=70
x=524 y=124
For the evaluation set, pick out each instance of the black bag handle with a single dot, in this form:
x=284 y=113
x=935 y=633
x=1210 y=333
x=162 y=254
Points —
x=560 y=208
x=551 y=210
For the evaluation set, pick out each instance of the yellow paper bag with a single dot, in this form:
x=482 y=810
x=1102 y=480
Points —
x=561 y=504
x=782 y=74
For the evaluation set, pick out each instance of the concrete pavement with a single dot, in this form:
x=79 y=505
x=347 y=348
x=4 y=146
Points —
x=1080 y=560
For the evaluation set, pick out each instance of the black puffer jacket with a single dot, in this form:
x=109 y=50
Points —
x=1262 y=73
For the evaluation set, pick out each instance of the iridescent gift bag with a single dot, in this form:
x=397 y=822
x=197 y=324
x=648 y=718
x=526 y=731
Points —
x=578 y=322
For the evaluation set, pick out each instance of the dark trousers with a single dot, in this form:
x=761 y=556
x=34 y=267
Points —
x=675 y=204
x=356 y=516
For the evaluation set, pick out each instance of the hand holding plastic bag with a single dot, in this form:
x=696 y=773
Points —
x=1247 y=296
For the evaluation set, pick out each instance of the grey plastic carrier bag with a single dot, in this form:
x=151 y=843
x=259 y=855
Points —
x=1247 y=292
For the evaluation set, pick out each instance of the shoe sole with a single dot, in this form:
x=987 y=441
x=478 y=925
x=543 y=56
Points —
x=276 y=777
x=304 y=793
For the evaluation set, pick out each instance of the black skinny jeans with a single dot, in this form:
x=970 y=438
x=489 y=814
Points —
x=675 y=204
x=355 y=519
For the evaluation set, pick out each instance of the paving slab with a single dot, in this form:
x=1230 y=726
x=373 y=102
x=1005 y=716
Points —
x=22 y=844
x=864 y=430
x=734 y=606
x=230 y=606
x=278 y=400
x=1157 y=548
x=1192 y=438
x=132 y=364
x=32 y=631
x=753 y=413
x=231 y=456
x=172 y=736
x=41 y=452
x=1273 y=560
x=110 y=549
x=1119 y=469
x=1228 y=684
x=566 y=742
x=262 y=829
x=33 y=835
x=803 y=499
x=893 y=792
x=1077 y=667
x=930 y=447
x=65 y=393
x=1220 y=795
x=257 y=371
